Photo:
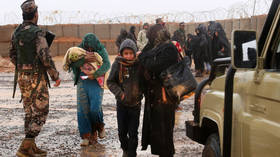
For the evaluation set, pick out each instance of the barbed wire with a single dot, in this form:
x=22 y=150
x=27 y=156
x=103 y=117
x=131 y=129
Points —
x=238 y=10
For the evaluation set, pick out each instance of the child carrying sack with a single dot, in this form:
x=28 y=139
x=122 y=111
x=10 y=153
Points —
x=178 y=80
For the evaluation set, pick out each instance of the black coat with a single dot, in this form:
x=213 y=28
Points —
x=131 y=34
x=199 y=48
x=159 y=117
x=219 y=43
x=203 y=46
x=131 y=85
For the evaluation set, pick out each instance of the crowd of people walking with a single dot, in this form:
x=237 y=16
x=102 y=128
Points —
x=135 y=74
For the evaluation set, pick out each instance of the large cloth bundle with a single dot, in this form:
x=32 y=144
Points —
x=74 y=54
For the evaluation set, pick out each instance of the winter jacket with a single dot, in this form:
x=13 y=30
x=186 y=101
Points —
x=179 y=36
x=219 y=43
x=126 y=78
x=142 y=39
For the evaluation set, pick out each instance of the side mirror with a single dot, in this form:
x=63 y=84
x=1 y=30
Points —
x=244 y=49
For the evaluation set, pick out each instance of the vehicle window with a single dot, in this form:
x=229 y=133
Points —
x=273 y=56
x=275 y=64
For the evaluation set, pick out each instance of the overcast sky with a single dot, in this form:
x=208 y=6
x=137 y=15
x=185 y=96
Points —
x=129 y=11
x=137 y=7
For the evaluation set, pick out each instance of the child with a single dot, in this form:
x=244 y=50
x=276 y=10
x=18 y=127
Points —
x=125 y=83
x=74 y=54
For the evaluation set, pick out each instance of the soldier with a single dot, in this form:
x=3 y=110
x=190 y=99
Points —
x=180 y=36
x=30 y=55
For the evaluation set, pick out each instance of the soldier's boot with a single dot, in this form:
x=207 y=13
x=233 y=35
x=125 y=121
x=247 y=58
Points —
x=26 y=148
x=38 y=151
x=101 y=130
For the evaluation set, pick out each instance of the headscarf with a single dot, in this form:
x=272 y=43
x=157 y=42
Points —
x=132 y=29
x=202 y=29
x=215 y=27
x=123 y=33
x=211 y=28
x=91 y=43
x=220 y=40
x=157 y=34
x=131 y=34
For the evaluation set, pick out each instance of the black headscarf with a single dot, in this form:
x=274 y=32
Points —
x=157 y=34
x=131 y=34
x=123 y=32
x=123 y=35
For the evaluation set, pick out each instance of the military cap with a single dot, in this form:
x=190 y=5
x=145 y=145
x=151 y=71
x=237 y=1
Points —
x=28 y=6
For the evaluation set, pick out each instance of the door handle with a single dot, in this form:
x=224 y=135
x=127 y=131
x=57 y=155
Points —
x=258 y=108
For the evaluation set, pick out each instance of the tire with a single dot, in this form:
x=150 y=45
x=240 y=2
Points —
x=212 y=146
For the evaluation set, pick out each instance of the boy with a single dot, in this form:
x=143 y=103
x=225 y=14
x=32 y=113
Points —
x=125 y=83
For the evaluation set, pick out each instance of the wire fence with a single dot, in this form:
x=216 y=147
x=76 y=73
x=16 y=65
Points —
x=238 y=10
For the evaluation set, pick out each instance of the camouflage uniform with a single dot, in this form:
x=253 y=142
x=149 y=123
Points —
x=32 y=78
x=179 y=35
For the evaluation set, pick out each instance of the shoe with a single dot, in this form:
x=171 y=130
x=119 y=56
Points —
x=93 y=138
x=85 y=143
x=38 y=151
x=86 y=140
x=101 y=131
x=26 y=148
x=125 y=154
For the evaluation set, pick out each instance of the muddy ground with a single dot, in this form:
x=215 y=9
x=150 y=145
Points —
x=60 y=136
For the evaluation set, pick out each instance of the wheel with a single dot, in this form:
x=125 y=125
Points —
x=212 y=147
